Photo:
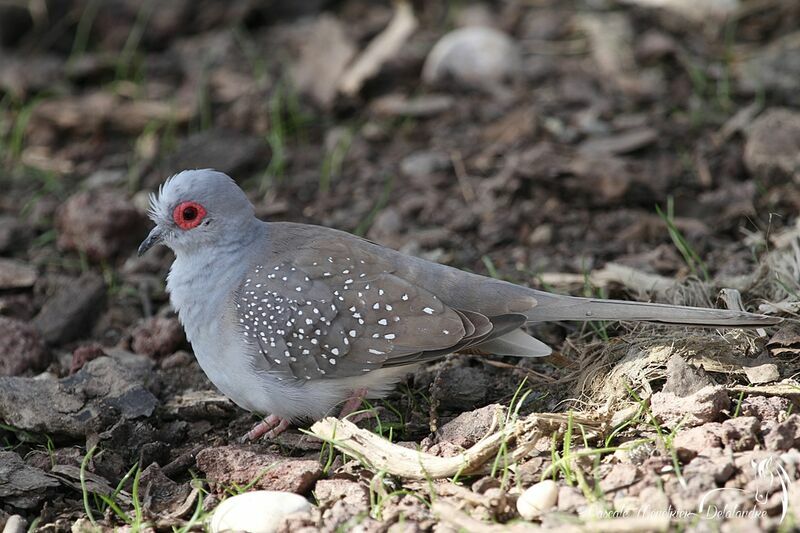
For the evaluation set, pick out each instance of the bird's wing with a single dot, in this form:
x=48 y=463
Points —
x=337 y=311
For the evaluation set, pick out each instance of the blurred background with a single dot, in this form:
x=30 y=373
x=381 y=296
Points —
x=512 y=138
x=538 y=141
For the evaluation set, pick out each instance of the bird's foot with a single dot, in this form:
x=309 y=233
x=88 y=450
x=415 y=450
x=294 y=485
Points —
x=270 y=427
x=351 y=406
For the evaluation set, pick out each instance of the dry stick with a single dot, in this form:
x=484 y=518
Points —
x=382 y=455
x=467 y=191
x=380 y=49
x=777 y=389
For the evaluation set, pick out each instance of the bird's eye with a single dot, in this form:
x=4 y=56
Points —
x=188 y=215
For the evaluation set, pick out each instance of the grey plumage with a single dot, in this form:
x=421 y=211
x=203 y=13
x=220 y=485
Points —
x=289 y=319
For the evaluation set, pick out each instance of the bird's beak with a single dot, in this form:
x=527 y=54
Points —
x=156 y=236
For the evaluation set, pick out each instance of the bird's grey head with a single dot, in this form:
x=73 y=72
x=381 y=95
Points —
x=195 y=209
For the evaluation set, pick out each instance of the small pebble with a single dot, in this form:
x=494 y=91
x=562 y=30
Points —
x=259 y=511
x=15 y=524
x=537 y=499
x=474 y=56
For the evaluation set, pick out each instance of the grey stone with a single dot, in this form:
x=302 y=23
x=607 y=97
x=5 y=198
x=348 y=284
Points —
x=70 y=312
x=21 y=348
x=475 y=56
x=233 y=464
x=13 y=233
x=21 y=485
x=772 y=151
x=16 y=274
x=97 y=396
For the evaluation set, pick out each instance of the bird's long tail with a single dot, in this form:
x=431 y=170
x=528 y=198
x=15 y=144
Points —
x=552 y=307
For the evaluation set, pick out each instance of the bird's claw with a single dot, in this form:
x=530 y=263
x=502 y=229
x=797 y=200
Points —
x=269 y=428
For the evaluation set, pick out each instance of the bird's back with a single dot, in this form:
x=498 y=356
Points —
x=456 y=288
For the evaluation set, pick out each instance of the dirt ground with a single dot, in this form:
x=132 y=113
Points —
x=632 y=149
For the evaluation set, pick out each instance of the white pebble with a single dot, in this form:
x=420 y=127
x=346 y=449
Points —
x=474 y=56
x=537 y=499
x=259 y=511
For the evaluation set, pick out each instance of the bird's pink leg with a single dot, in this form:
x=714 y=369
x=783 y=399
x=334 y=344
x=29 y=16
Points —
x=270 y=427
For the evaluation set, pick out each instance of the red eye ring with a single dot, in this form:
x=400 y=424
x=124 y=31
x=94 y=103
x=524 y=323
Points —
x=188 y=215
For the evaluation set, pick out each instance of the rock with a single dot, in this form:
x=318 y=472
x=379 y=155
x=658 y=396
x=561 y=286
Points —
x=604 y=179
x=691 y=442
x=387 y=228
x=138 y=440
x=421 y=165
x=177 y=360
x=19 y=306
x=474 y=57
x=765 y=408
x=102 y=223
x=705 y=405
x=468 y=428
x=83 y=354
x=461 y=388
x=99 y=395
x=766 y=373
x=228 y=151
x=352 y=493
x=324 y=55
x=720 y=467
x=784 y=436
x=232 y=464
x=16 y=274
x=684 y=379
x=21 y=348
x=259 y=511
x=653 y=500
x=21 y=485
x=530 y=471
x=654 y=45
x=45 y=459
x=570 y=499
x=774 y=68
x=785 y=343
x=537 y=499
x=200 y=405
x=15 y=524
x=157 y=337
x=484 y=484
x=772 y=150
x=621 y=475
x=69 y=313
x=13 y=233
x=159 y=492
x=741 y=433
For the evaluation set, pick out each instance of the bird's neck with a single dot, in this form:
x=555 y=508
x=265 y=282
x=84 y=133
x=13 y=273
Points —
x=201 y=282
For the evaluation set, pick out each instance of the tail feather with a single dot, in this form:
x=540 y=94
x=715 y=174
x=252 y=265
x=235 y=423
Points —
x=553 y=307
x=516 y=343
